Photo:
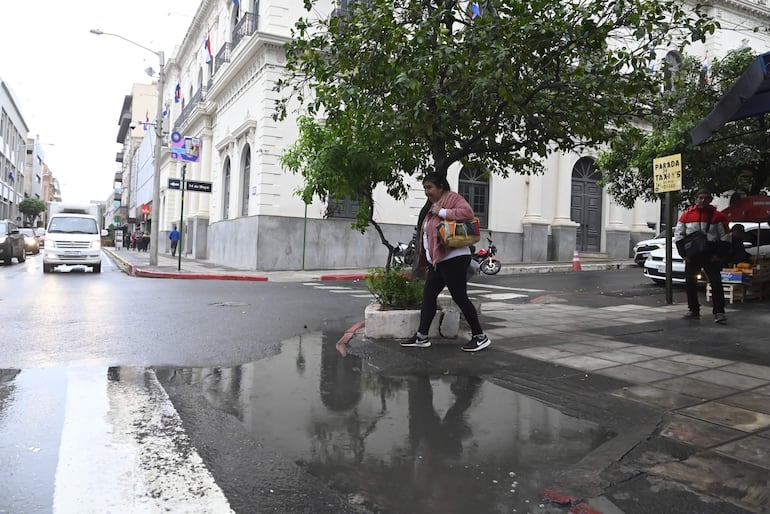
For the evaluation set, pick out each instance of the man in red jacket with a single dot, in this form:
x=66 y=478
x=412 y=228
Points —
x=704 y=217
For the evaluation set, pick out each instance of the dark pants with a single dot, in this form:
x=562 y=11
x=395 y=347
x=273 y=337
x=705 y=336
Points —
x=713 y=270
x=451 y=274
x=173 y=247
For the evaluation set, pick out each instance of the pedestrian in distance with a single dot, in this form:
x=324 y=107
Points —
x=133 y=240
x=704 y=217
x=146 y=241
x=173 y=236
x=445 y=267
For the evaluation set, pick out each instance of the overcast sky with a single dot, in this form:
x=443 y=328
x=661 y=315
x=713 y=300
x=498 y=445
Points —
x=70 y=84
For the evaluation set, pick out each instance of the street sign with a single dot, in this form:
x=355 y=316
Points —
x=197 y=186
x=667 y=173
x=174 y=183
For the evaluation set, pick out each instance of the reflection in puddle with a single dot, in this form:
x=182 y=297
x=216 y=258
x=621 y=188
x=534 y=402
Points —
x=402 y=444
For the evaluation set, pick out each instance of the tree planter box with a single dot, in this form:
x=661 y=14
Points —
x=383 y=323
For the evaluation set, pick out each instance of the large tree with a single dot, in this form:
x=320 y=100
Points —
x=420 y=85
x=736 y=158
x=31 y=209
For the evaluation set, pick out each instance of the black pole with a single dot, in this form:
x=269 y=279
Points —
x=181 y=218
x=669 y=248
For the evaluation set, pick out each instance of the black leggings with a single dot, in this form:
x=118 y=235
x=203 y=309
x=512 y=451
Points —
x=450 y=273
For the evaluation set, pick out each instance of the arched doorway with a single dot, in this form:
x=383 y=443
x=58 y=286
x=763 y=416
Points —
x=586 y=206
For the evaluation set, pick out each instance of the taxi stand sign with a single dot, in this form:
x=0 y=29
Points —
x=667 y=177
x=667 y=173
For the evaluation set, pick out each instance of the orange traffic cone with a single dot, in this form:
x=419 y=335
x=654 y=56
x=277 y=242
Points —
x=576 y=262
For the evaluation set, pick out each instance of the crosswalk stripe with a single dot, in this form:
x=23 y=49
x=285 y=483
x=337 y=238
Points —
x=120 y=449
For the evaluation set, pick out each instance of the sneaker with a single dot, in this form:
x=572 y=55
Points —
x=720 y=318
x=416 y=341
x=476 y=343
x=691 y=315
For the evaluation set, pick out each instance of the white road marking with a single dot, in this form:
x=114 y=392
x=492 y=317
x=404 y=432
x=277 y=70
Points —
x=123 y=449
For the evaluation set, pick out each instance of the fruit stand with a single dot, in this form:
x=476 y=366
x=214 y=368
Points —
x=745 y=282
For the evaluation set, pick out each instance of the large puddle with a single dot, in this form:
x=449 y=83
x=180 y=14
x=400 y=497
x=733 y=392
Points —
x=399 y=444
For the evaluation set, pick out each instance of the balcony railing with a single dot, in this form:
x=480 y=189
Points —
x=119 y=157
x=222 y=56
x=246 y=26
x=118 y=177
x=198 y=97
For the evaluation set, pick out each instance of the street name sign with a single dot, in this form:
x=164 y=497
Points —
x=174 y=183
x=198 y=186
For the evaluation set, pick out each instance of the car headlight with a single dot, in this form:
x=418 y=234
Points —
x=96 y=245
x=2 y=239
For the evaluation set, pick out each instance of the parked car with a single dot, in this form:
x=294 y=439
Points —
x=643 y=248
x=655 y=264
x=40 y=233
x=31 y=242
x=11 y=242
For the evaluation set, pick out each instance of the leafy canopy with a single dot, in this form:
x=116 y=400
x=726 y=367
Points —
x=31 y=208
x=418 y=84
x=736 y=158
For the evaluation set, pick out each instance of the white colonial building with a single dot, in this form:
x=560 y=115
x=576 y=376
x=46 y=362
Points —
x=252 y=217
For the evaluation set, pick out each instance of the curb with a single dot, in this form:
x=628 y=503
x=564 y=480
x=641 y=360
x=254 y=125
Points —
x=138 y=272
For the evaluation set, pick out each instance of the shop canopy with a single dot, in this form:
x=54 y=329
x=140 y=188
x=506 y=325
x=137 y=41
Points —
x=751 y=208
x=748 y=96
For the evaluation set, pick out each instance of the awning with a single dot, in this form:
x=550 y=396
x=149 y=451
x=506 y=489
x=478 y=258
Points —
x=748 y=96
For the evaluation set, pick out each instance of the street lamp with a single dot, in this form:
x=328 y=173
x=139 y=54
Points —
x=158 y=138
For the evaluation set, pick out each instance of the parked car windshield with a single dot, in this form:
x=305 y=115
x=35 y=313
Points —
x=73 y=225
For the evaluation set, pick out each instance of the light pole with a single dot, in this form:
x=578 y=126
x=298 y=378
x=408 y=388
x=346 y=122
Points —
x=158 y=139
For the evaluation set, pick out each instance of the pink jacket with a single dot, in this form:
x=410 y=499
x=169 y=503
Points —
x=457 y=209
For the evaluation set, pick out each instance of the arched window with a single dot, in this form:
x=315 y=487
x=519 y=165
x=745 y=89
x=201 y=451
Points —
x=226 y=191
x=246 y=180
x=474 y=187
x=671 y=64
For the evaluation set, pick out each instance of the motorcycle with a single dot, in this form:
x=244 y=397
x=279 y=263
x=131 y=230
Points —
x=404 y=253
x=485 y=257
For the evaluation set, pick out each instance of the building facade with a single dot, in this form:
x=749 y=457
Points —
x=219 y=90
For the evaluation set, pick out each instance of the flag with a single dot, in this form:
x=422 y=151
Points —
x=207 y=47
x=146 y=119
x=177 y=92
x=475 y=10
x=11 y=178
x=235 y=2
x=651 y=62
x=706 y=66
x=165 y=111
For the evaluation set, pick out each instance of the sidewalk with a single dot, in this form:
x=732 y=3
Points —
x=138 y=264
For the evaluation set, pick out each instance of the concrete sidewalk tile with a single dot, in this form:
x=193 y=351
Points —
x=764 y=433
x=543 y=353
x=752 y=449
x=634 y=374
x=700 y=360
x=729 y=416
x=718 y=476
x=578 y=347
x=655 y=397
x=735 y=381
x=622 y=356
x=695 y=388
x=606 y=344
x=751 y=370
x=584 y=362
x=651 y=351
x=697 y=432
x=668 y=366
x=763 y=390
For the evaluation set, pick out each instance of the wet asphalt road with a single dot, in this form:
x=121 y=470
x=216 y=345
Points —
x=279 y=420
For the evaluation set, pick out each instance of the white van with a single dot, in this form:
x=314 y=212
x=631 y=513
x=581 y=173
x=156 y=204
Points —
x=73 y=238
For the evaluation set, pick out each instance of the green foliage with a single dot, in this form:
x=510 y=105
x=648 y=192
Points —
x=737 y=158
x=394 y=288
x=415 y=85
x=31 y=209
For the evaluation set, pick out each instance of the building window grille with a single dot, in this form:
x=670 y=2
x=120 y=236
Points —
x=474 y=187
